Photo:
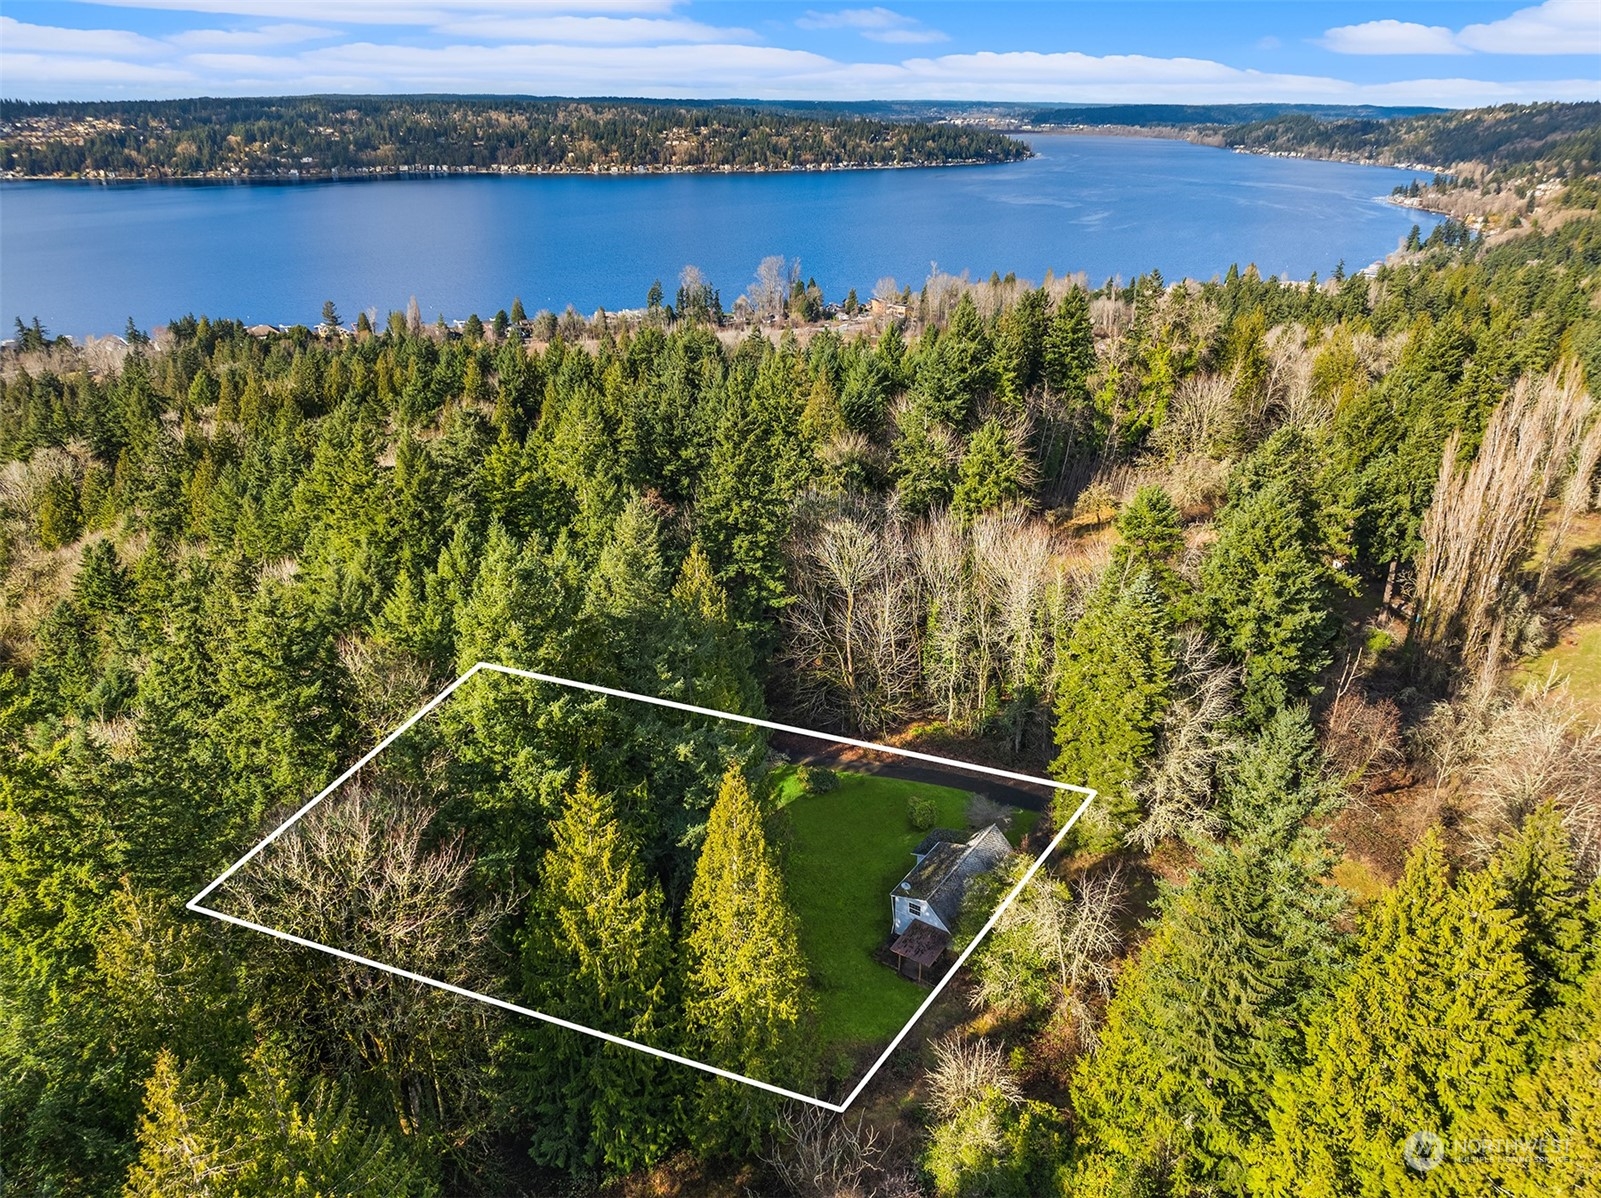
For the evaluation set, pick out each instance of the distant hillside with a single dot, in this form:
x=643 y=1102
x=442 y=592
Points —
x=1149 y=115
x=319 y=136
x=1567 y=136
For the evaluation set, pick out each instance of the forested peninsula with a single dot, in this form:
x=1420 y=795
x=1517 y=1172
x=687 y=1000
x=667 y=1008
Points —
x=1566 y=138
x=1494 y=168
x=314 y=137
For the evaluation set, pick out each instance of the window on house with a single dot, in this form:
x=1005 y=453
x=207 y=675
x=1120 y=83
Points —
x=915 y=908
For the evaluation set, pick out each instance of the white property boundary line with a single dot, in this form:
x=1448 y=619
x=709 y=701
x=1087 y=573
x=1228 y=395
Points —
x=197 y=904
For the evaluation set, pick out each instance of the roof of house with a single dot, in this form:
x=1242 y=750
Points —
x=937 y=836
x=941 y=877
x=921 y=943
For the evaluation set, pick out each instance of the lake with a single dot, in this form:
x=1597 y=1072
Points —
x=84 y=257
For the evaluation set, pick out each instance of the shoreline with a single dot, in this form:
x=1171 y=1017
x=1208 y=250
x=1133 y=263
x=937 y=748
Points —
x=381 y=174
x=1173 y=133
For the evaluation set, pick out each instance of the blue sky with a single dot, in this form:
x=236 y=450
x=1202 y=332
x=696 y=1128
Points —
x=1449 y=54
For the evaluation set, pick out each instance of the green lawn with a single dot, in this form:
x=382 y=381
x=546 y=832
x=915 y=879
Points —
x=849 y=848
x=1578 y=659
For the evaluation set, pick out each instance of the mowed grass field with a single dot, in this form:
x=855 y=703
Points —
x=1576 y=657
x=849 y=848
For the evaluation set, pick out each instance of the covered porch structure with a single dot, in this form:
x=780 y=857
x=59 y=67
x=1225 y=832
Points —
x=918 y=949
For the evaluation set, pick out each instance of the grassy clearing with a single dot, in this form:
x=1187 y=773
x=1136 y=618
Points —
x=1577 y=654
x=848 y=848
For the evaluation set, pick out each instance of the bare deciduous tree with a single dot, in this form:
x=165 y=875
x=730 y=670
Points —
x=1202 y=419
x=360 y=873
x=966 y=1071
x=389 y=683
x=1176 y=792
x=1482 y=523
x=1539 y=747
x=1071 y=933
x=1362 y=736
x=852 y=636
x=771 y=288
x=817 y=1154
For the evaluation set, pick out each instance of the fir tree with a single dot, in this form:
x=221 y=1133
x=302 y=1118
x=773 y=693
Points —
x=266 y=1142
x=745 y=1004
x=1426 y=1033
x=1269 y=594
x=992 y=475
x=1208 y=1014
x=1152 y=533
x=1069 y=349
x=1534 y=879
x=1114 y=686
x=597 y=952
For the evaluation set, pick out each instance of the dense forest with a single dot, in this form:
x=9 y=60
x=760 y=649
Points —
x=1171 y=115
x=1256 y=559
x=313 y=136
x=1567 y=137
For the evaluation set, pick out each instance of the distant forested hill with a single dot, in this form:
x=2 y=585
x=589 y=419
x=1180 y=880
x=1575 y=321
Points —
x=1147 y=115
x=1566 y=135
x=320 y=135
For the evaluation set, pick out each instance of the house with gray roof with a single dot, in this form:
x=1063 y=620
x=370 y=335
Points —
x=926 y=902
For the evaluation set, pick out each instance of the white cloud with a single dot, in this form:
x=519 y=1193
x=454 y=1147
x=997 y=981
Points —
x=662 y=57
x=1555 y=27
x=1391 y=37
x=395 y=12
x=16 y=36
x=591 y=30
x=29 y=74
x=875 y=24
x=266 y=35
x=687 y=70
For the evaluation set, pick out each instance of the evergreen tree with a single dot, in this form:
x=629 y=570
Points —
x=1547 y=1142
x=263 y=1143
x=1534 y=879
x=596 y=951
x=1114 y=686
x=1152 y=534
x=992 y=475
x=757 y=467
x=925 y=462
x=1269 y=594
x=1426 y=1033
x=1068 y=355
x=745 y=1004
x=1279 y=780
x=1208 y=1014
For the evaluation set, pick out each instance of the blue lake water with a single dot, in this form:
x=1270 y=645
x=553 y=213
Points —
x=85 y=257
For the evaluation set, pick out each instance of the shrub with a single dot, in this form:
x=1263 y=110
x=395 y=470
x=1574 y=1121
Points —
x=824 y=781
x=920 y=810
x=982 y=811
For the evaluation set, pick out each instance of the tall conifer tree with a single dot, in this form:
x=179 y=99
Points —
x=745 y=1003
x=597 y=951
x=1114 y=686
